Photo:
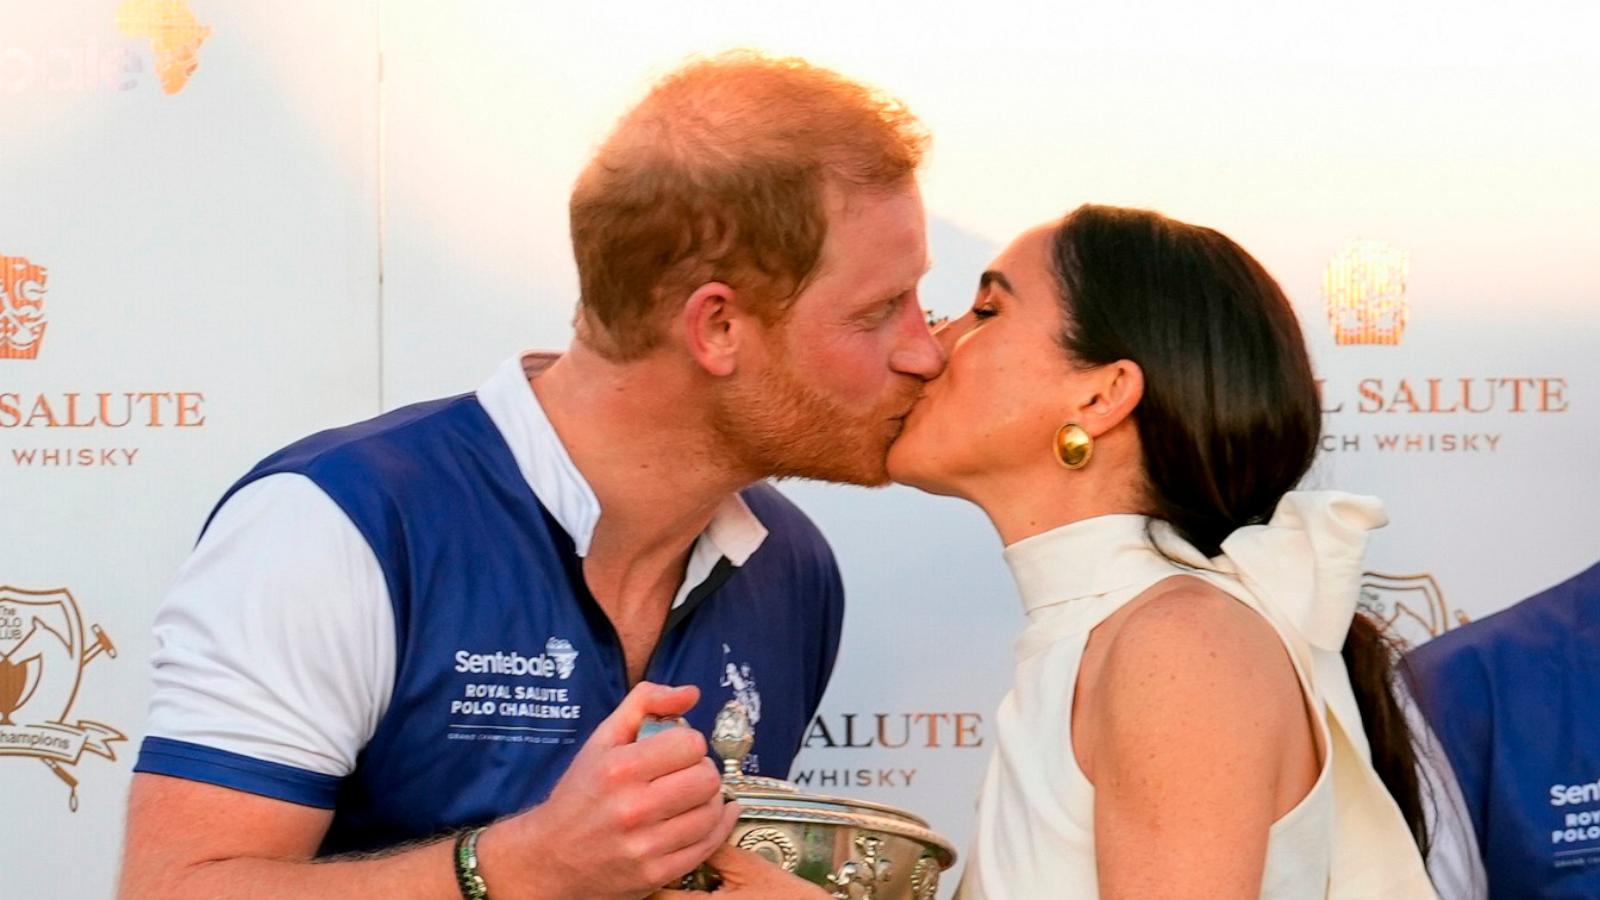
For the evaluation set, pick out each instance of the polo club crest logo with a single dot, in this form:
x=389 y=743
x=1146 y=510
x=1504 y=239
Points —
x=1364 y=288
x=43 y=654
x=22 y=286
x=1411 y=608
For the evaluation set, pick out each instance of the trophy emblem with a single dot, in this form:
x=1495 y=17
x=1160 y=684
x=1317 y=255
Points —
x=15 y=686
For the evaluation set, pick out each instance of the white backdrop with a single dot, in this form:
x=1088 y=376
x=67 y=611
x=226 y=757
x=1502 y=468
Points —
x=225 y=241
x=219 y=242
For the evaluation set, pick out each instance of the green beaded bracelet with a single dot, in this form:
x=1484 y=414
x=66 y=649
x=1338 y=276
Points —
x=468 y=878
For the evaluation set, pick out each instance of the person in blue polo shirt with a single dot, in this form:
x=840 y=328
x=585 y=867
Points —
x=1512 y=700
x=410 y=657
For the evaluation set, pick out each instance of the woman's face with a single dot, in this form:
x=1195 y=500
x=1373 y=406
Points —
x=1008 y=385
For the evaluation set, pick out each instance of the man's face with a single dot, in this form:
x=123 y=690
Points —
x=837 y=376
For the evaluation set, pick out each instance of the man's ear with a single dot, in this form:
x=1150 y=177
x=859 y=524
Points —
x=1115 y=390
x=713 y=324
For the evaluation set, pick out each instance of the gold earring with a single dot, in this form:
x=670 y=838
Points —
x=1073 y=446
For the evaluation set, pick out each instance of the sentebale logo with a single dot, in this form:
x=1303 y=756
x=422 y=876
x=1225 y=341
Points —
x=557 y=661
x=97 y=62
x=174 y=32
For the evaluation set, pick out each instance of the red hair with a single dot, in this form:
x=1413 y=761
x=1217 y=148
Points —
x=721 y=174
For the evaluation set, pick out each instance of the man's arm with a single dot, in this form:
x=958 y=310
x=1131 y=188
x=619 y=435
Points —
x=189 y=839
x=274 y=664
x=626 y=818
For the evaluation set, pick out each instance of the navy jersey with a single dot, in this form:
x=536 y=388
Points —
x=1515 y=700
x=503 y=661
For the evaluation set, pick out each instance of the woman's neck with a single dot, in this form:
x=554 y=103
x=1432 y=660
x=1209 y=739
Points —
x=1034 y=502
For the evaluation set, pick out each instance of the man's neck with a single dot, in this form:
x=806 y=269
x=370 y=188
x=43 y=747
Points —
x=644 y=446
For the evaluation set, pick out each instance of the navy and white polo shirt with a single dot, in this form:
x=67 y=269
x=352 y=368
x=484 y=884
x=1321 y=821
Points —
x=1515 y=700
x=390 y=620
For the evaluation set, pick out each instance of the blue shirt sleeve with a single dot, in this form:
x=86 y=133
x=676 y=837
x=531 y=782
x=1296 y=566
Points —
x=192 y=762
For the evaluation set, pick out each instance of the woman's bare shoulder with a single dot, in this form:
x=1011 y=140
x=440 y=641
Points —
x=1186 y=654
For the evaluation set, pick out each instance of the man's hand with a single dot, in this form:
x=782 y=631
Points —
x=626 y=818
x=746 y=876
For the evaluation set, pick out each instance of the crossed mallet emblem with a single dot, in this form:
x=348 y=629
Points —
x=102 y=644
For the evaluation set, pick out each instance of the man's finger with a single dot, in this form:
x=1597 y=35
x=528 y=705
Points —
x=691 y=856
x=686 y=829
x=735 y=864
x=685 y=788
x=646 y=699
x=662 y=754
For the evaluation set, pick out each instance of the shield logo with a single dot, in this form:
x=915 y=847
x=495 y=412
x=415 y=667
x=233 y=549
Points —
x=1412 y=608
x=43 y=652
x=41 y=645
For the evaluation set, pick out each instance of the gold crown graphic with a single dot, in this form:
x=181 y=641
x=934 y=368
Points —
x=174 y=32
x=1364 y=288
x=22 y=324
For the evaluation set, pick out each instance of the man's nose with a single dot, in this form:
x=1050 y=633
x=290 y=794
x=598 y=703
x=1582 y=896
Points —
x=920 y=352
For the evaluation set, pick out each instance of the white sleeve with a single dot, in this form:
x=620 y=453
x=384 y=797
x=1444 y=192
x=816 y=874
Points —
x=276 y=644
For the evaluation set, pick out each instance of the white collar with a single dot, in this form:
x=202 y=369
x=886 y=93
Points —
x=734 y=532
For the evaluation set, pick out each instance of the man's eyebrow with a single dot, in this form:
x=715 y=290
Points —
x=993 y=276
x=891 y=296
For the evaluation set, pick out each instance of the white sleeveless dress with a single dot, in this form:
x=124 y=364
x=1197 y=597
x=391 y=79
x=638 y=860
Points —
x=1301 y=572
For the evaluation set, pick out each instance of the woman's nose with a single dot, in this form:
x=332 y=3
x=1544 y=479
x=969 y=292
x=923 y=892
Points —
x=945 y=331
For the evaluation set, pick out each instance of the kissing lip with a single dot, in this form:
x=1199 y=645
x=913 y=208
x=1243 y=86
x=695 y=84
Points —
x=916 y=402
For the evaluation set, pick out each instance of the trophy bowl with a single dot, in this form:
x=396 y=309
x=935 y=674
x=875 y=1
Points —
x=854 y=849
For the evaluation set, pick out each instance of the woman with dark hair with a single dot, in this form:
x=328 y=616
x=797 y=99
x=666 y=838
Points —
x=1198 y=711
x=1198 y=708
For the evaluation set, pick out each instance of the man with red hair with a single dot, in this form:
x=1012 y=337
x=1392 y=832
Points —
x=410 y=657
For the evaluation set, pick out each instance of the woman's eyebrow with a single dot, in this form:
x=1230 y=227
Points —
x=993 y=276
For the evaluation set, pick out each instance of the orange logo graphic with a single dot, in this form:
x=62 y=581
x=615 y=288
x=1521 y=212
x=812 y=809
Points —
x=22 y=286
x=1412 y=608
x=173 y=31
x=43 y=654
x=1364 y=288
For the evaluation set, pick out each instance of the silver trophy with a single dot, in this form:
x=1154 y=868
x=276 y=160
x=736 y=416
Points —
x=854 y=849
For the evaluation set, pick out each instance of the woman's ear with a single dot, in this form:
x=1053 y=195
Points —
x=713 y=326
x=1117 y=389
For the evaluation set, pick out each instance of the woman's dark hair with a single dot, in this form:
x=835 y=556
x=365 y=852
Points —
x=1231 y=416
